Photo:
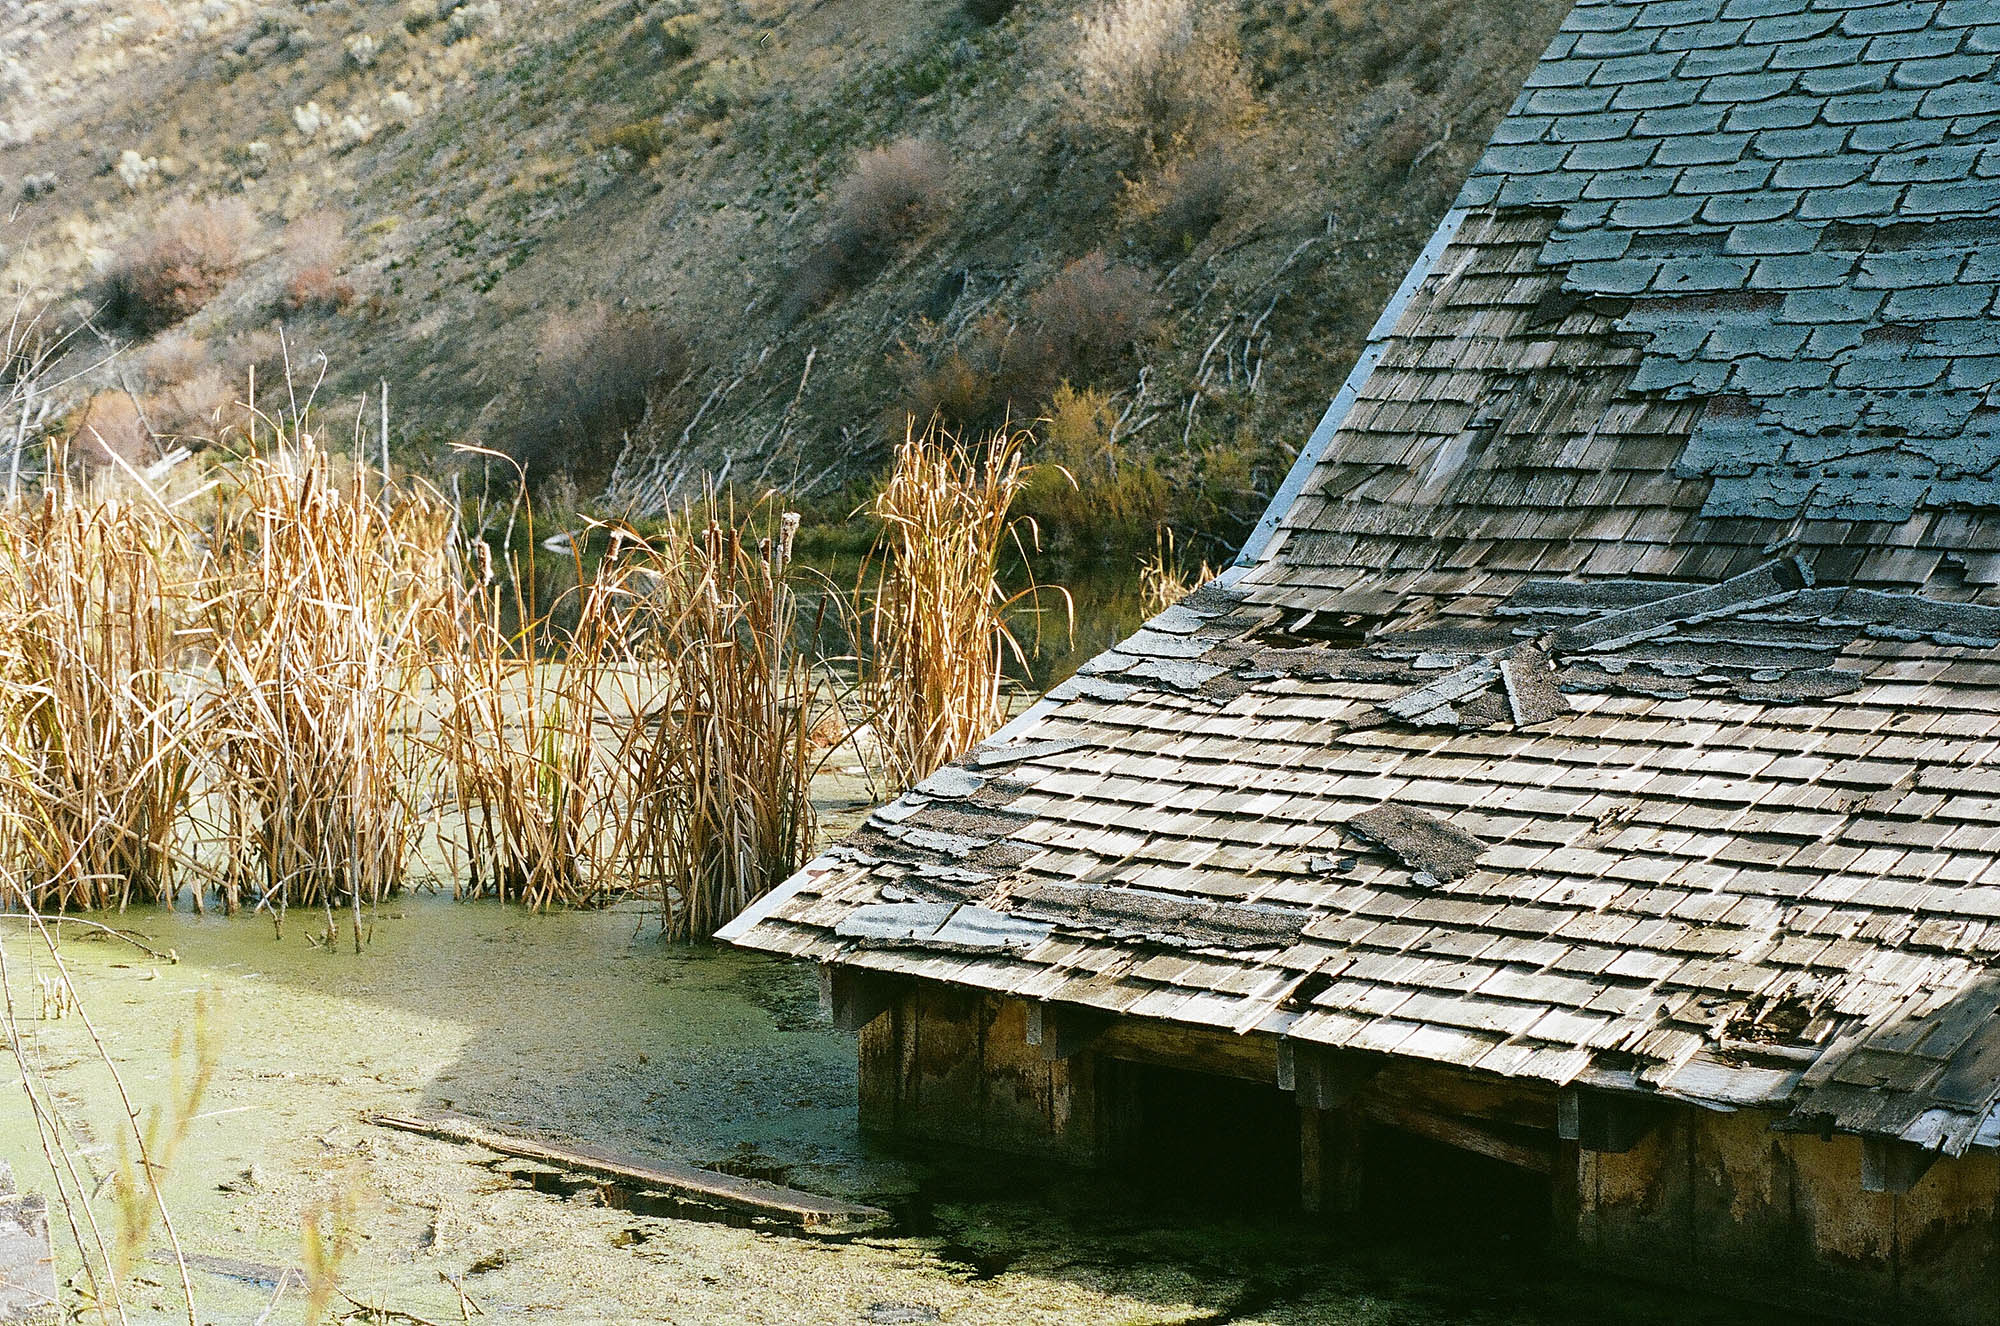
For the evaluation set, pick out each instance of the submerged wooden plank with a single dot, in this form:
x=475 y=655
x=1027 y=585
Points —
x=807 y=1212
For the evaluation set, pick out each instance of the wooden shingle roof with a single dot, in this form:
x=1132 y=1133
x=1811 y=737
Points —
x=1613 y=694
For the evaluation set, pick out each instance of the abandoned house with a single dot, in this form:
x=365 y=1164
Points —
x=1582 y=790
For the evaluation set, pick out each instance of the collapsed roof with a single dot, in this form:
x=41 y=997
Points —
x=1611 y=695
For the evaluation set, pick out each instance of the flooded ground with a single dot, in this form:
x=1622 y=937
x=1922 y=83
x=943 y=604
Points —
x=588 y=1027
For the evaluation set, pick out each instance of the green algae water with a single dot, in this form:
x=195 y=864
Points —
x=587 y=1027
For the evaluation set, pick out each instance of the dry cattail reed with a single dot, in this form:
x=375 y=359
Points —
x=937 y=631
x=323 y=590
x=102 y=727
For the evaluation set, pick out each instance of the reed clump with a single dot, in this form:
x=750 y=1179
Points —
x=937 y=631
x=102 y=721
x=323 y=590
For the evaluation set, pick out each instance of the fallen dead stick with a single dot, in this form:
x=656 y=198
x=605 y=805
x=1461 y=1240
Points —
x=59 y=921
x=807 y=1212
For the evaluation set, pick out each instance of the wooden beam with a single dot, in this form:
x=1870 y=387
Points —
x=1892 y=1166
x=1323 y=1079
x=1461 y=1133
x=1605 y=1121
x=804 y=1211
x=1064 y=1030
x=852 y=997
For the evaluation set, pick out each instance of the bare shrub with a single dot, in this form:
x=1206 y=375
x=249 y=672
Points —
x=596 y=373
x=1077 y=327
x=110 y=424
x=178 y=266
x=1177 y=207
x=893 y=194
x=1161 y=73
x=988 y=11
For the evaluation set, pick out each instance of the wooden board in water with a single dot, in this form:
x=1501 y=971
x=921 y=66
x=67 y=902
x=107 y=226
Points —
x=804 y=1211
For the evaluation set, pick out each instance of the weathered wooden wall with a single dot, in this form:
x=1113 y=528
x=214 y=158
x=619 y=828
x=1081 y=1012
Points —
x=1722 y=1196
x=954 y=1065
x=1716 y=1195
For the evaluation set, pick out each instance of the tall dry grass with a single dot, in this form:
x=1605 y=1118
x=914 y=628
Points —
x=322 y=593
x=724 y=811
x=937 y=631
x=102 y=720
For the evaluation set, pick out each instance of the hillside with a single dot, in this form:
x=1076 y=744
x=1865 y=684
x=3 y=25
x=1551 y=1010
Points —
x=549 y=227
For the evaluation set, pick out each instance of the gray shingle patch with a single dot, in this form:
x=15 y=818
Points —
x=1568 y=100
x=1819 y=53
x=1792 y=27
x=1678 y=120
x=1889 y=373
x=1841 y=305
x=1984 y=39
x=1957 y=99
x=1821 y=172
x=1706 y=150
x=1927 y=44
x=1620 y=184
x=1523 y=158
x=1785 y=144
x=1870 y=107
x=1741 y=90
x=1422 y=842
x=1641 y=213
x=1731 y=340
x=1522 y=129
x=1770 y=238
x=1938 y=72
x=1899 y=135
x=1560 y=73
x=1654 y=96
x=1845 y=78
x=1729 y=60
x=1762 y=8
x=1790 y=112
x=1801 y=272
x=1770 y=377
x=1617 y=154
x=1963 y=198
x=1891 y=270
x=1875 y=19
x=1598 y=18
x=1856 y=200
x=1590 y=128
x=1585 y=246
x=1624 y=69
x=1703 y=36
x=1732 y=209
x=1926 y=166
x=1539 y=190
x=1725 y=179
x=1928 y=303
x=1673 y=13
x=1831 y=340
x=1630 y=41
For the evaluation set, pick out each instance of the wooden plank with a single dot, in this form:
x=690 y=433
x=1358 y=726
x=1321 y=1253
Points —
x=1193 y=1048
x=804 y=1211
x=1891 y=1166
x=1064 y=1030
x=1461 y=1133
x=852 y=997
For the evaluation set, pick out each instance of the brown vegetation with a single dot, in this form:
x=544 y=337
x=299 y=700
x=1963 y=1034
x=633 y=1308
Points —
x=1164 y=74
x=936 y=618
x=179 y=265
x=596 y=374
x=893 y=194
x=1078 y=327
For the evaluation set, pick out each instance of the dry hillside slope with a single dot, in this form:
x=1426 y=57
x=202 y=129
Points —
x=750 y=236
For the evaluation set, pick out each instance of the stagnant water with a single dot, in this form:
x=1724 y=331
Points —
x=588 y=1025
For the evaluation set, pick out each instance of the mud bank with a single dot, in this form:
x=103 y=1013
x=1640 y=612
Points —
x=586 y=1026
